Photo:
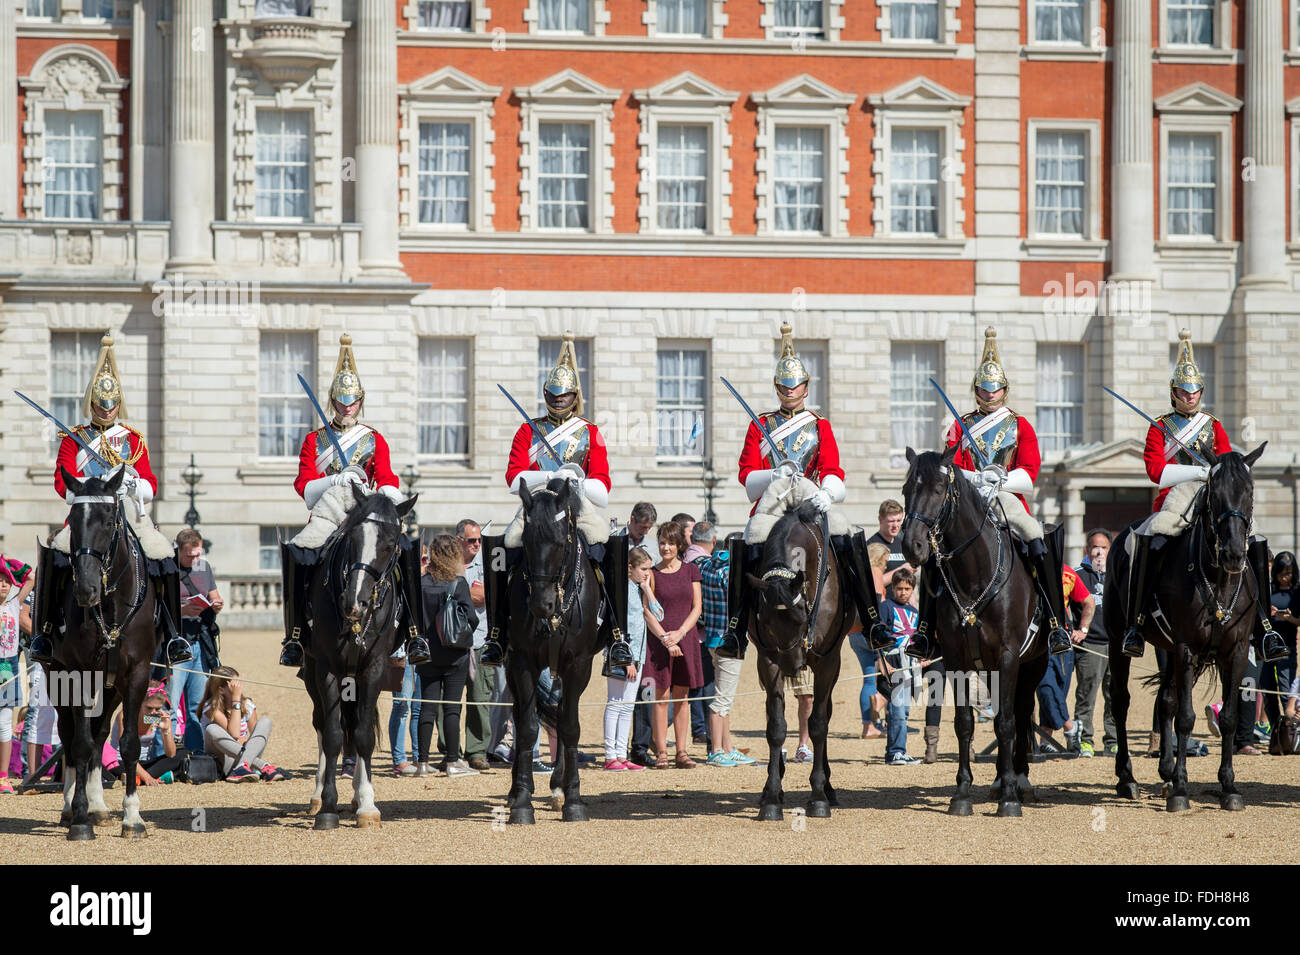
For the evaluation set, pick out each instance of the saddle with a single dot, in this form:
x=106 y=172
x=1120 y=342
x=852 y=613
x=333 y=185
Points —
x=786 y=494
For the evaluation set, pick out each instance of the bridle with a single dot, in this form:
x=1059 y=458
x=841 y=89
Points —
x=382 y=579
x=934 y=532
x=783 y=572
x=1209 y=523
x=120 y=529
x=569 y=571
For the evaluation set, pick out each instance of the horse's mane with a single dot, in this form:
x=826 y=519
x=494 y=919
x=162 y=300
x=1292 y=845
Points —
x=545 y=505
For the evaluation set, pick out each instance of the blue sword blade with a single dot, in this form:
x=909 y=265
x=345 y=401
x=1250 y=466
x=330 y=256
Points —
x=78 y=439
x=311 y=396
x=537 y=432
x=1173 y=437
x=970 y=438
x=767 y=435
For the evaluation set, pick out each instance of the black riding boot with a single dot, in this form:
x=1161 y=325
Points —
x=1134 y=644
x=51 y=582
x=741 y=558
x=293 y=595
x=167 y=590
x=1048 y=577
x=851 y=552
x=496 y=599
x=922 y=645
x=408 y=569
x=613 y=572
x=1271 y=645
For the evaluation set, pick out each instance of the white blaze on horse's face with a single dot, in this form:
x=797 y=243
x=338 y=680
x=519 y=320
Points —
x=369 y=556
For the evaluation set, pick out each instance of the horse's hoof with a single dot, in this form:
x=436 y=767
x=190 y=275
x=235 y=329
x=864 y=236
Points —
x=1008 y=810
x=81 y=833
x=769 y=812
x=368 y=820
x=1177 y=804
x=1127 y=790
x=574 y=812
x=522 y=816
x=960 y=807
x=1232 y=802
x=818 y=809
x=101 y=818
x=313 y=807
x=136 y=831
x=326 y=821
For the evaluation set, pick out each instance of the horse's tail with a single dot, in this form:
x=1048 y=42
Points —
x=1205 y=663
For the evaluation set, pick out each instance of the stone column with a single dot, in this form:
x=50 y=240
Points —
x=376 y=187
x=8 y=110
x=1264 y=196
x=191 y=192
x=1132 y=228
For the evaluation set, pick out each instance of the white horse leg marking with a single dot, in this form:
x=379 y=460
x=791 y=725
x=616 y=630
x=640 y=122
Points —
x=320 y=767
x=363 y=791
x=95 y=788
x=131 y=810
x=69 y=783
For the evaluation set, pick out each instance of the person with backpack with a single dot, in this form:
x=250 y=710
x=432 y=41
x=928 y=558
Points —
x=448 y=604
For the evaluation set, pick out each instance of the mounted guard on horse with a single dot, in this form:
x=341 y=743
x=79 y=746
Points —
x=110 y=445
x=1008 y=443
x=1181 y=479
x=325 y=484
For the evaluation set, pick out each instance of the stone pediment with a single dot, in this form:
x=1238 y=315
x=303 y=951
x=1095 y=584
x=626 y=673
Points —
x=567 y=86
x=688 y=90
x=803 y=90
x=920 y=93
x=450 y=83
x=1122 y=457
x=1197 y=98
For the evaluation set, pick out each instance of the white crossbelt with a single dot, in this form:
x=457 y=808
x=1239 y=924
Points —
x=562 y=433
x=117 y=432
x=791 y=426
x=988 y=422
x=1192 y=428
x=347 y=441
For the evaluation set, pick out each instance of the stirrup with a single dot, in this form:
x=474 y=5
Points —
x=178 y=651
x=291 y=655
x=417 y=650
x=732 y=647
x=1273 y=646
x=494 y=655
x=620 y=654
x=1134 y=646
x=1058 y=641
x=919 y=647
x=879 y=638
x=41 y=650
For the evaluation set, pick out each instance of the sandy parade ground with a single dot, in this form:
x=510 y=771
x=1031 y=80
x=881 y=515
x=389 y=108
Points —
x=887 y=814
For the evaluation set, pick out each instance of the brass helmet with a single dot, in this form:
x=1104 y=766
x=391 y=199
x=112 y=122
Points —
x=346 y=386
x=104 y=393
x=563 y=378
x=1187 y=375
x=790 y=370
x=989 y=376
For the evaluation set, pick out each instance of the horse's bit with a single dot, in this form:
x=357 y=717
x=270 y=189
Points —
x=111 y=634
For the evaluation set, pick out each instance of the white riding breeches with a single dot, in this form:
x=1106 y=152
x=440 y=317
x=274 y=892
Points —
x=1018 y=519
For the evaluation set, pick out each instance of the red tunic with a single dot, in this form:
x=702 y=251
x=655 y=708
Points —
x=1155 y=459
x=378 y=468
x=754 y=454
x=1026 y=454
x=137 y=457
x=594 y=463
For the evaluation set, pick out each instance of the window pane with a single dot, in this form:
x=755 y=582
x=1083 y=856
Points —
x=1191 y=22
x=72 y=362
x=799 y=18
x=1059 y=182
x=268 y=544
x=914 y=20
x=683 y=153
x=1060 y=397
x=1192 y=174
x=548 y=353
x=685 y=17
x=1058 y=21
x=445 y=15
x=442 y=414
x=914 y=405
x=914 y=181
x=282 y=172
x=564 y=153
x=72 y=165
x=443 y=176
x=43 y=8
x=573 y=15
x=285 y=414
x=680 y=406
x=798 y=178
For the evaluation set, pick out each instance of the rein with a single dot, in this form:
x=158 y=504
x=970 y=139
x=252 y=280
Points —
x=570 y=571
x=1207 y=537
x=121 y=529
x=823 y=571
x=342 y=577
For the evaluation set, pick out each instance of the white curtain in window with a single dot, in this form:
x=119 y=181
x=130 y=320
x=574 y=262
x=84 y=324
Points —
x=914 y=20
x=43 y=8
x=443 y=405
x=72 y=164
x=799 y=16
x=281 y=167
x=565 y=15
x=1060 y=396
x=1191 y=22
x=682 y=160
x=1058 y=21
x=1192 y=175
x=563 y=175
x=685 y=17
x=913 y=404
x=1059 y=182
x=445 y=14
x=100 y=9
x=444 y=173
x=680 y=403
x=914 y=181
x=284 y=413
x=282 y=8
x=799 y=173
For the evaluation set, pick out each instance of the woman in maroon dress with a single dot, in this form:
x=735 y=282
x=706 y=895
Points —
x=673 y=658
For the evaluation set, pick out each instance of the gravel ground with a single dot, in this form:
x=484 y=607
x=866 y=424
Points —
x=888 y=814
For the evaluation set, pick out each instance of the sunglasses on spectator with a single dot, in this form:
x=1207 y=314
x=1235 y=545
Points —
x=471 y=540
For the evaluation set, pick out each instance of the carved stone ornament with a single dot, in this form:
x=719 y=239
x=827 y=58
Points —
x=284 y=251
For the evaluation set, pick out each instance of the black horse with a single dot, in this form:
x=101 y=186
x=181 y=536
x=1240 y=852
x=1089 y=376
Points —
x=793 y=625
x=354 y=607
x=1208 y=596
x=984 y=604
x=559 y=630
x=104 y=655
